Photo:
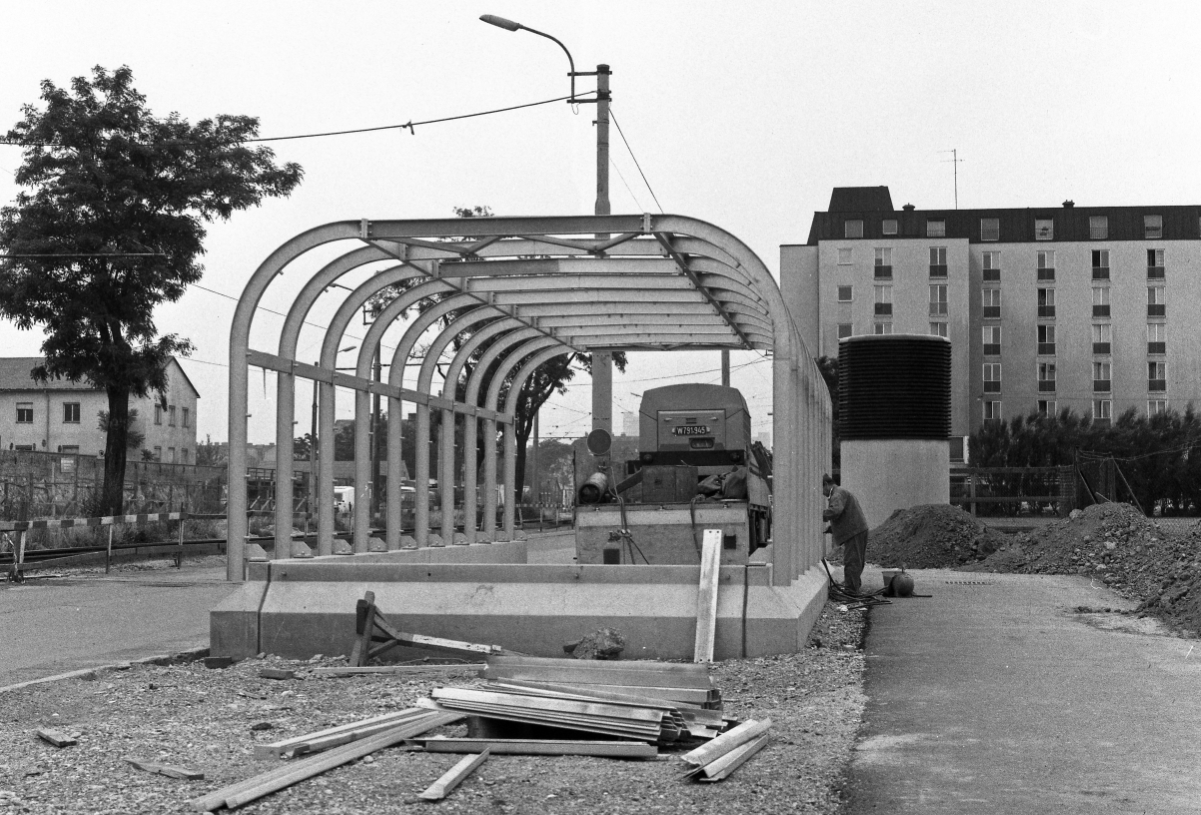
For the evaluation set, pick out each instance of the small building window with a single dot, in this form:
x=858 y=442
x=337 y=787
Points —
x=938 y=329
x=1156 y=407
x=1155 y=264
x=936 y=228
x=1100 y=264
x=1157 y=375
x=24 y=412
x=889 y=227
x=1100 y=301
x=883 y=328
x=1157 y=338
x=990 y=229
x=844 y=257
x=992 y=410
x=1046 y=339
x=1102 y=410
x=1046 y=264
x=938 y=261
x=1098 y=227
x=1046 y=377
x=171 y=416
x=1046 y=407
x=883 y=266
x=70 y=413
x=938 y=299
x=992 y=377
x=1102 y=376
x=1156 y=301
x=844 y=330
x=992 y=266
x=883 y=301
x=186 y=418
x=852 y=229
x=1153 y=227
x=158 y=453
x=844 y=294
x=991 y=302
x=1046 y=302
x=158 y=413
x=992 y=340
x=1044 y=229
x=1102 y=338
x=183 y=455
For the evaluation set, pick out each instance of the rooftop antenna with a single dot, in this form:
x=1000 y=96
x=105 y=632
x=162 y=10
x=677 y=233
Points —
x=955 y=160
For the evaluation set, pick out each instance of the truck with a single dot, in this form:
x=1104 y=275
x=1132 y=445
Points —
x=696 y=468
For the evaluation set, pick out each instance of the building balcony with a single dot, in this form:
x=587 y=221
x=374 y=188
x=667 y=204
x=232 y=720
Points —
x=1101 y=348
x=992 y=387
x=1157 y=385
x=883 y=272
x=938 y=270
x=1046 y=311
x=1157 y=348
x=1100 y=273
x=1155 y=272
x=991 y=313
x=883 y=309
x=992 y=349
x=1101 y=311
x=1156 y=310
x=1046 y=349
x=938 y=309
x=1102 y=386
x=990 y=275
x=1045 y=386
x=1046 y=274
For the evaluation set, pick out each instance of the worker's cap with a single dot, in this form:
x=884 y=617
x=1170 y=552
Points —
x=827 y=478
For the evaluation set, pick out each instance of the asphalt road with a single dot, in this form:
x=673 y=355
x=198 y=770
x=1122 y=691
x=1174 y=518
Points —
x=50 y=626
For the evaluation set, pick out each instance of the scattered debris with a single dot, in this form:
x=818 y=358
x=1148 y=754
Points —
x=718 y=758
x=337 y=736
x=56 y=737
x=454 y=776
x=218 y=662
x=169 y=770
x=672 y=681
x=604 y=643
x=276 y=673
x=371 y=626
x=542 y=747
x=367 y=670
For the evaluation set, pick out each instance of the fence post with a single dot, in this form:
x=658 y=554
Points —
x=179 y=557
x=19 y=559
x=971 y=481
x=108 y=554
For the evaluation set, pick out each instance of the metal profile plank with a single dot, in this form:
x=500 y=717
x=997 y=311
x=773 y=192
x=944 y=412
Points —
x=669 y=674
x=609 y=696
x=708 y=753
x=706 y=599
x=544 y=747
x=280 y=747
x=545 y=703
x=454 y=776
x=731 y=761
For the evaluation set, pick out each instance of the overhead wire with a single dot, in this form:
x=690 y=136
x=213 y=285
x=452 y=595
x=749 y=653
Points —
x=625 y=141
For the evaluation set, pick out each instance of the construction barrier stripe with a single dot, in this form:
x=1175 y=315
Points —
x=107 y=520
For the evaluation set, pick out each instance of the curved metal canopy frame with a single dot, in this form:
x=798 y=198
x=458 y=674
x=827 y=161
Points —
x=534 y=288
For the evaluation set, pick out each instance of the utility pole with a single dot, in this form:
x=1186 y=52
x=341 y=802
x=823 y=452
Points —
x=955 y=161
x=602 y=362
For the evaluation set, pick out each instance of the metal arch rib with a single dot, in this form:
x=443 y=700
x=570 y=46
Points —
x=686 y=268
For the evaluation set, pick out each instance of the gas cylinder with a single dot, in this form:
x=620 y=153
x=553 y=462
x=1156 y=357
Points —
x=901 y=584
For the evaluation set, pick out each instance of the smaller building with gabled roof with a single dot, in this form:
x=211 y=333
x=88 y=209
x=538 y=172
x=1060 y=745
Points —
x=64 y=417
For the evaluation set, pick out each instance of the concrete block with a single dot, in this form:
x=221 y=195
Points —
x=375 y=544
x=408 y=542
x=234 y=622
x=459 y=539
x=342 y=547
x=436 y=540
x=301 y=549
x=255 y=552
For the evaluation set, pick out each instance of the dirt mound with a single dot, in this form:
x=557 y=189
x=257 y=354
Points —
x=932 y=536
x=1116 y=545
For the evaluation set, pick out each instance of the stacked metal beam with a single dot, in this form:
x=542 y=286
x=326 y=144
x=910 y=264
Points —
x=675 y=682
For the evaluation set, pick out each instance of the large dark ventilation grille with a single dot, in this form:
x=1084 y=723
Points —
x=894 y=386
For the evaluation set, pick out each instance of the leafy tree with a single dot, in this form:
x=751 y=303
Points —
x=828 y=366
x=210 y=454
x=109 y=224
x=134 y=438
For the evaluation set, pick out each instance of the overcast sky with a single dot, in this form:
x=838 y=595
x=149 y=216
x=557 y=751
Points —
x=743 y=114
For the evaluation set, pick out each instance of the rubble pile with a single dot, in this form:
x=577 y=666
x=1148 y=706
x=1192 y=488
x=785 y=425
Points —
x=932 y=536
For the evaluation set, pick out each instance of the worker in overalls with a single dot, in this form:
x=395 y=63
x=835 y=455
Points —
x=848 y=527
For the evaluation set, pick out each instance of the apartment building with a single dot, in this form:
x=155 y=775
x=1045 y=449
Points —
x=1090 y=308
x=63 y=417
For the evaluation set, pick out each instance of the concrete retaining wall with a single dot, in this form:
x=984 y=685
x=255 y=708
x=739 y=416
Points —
x=300 y=608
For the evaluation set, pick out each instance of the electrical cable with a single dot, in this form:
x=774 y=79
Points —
x=636 y=164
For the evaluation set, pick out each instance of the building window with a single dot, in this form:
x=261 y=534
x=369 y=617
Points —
x=1098 y=227
x=183 y=455
x=1102 y=338
x=889 y=227
x=1157 y=376
x=883 y=328
x=844 y=294
x=1152 y=227
x=992 y=377
x=844 y=331
x=991 y=299
x=1100 y=264
x=171 y=416
x=186 y=419
x=1046 y=302
x=883 y=301
x=24 y=412
x=158 y=453
x=1156 y=302
x=938 y=329
x=936 y=228
x=990 y=229
x=1046 y=340
x=938 y=261
x=1044 y=229
x=1046 y=407
x=883 y=262
x=70 y=413
x=938 y=299
x=1102 y=410
x=1157 y=338
x=171 y=454
x=844 y=257
x=1102 y=377
x=1155 y=264
x=992 y=410
x=158 y=413
x=1046 y=377
x=1046 y=264
x=852 y=229
x=992 y=340
x=992 y=267
x=1100 y=301
x=1156 y=407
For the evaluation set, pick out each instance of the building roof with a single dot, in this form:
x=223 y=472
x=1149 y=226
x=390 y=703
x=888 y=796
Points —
x=1069 y=222
x=15 y=376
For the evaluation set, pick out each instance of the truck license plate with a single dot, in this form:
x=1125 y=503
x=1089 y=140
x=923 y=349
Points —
x=691 y=430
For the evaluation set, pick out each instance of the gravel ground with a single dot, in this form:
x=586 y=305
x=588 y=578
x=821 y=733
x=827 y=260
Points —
x=209 y=720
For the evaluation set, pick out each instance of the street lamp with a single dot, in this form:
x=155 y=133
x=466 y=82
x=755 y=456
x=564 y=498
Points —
x=602 y=362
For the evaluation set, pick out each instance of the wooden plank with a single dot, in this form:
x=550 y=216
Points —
x=364 y=626
x=251 y=789
x=706 y=598
x=731 y=761
x=708 y=753
x=278 y=748
x=169 y=770
x=366 y=670
x=544 y=747
x=454 y=776
x=56 y=737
